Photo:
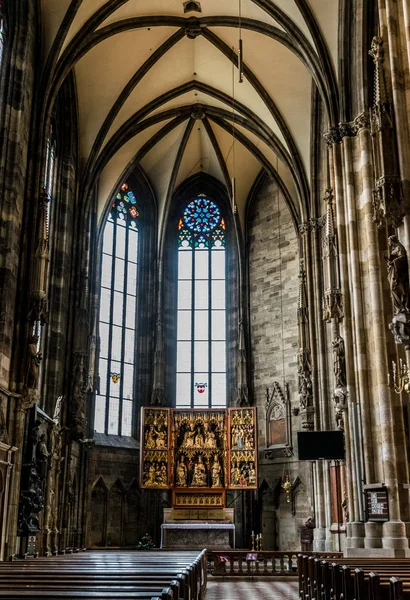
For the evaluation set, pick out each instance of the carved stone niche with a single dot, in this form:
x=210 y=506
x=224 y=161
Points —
x=278 y=423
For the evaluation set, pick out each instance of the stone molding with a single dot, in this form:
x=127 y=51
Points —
x=336 y=134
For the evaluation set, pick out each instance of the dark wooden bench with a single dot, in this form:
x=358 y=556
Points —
x=353 y=579
x=142 y=575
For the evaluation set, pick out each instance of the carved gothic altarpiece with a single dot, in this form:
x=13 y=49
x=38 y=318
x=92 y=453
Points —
x=199 y=453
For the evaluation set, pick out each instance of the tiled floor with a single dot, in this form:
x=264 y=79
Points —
x=251 y=590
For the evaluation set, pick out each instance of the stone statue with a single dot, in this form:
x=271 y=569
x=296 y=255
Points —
x=199 y=478
x=42 y=451
x=35 y=358
x=339 y=361
x=181 y=471
x=216 y=473
x=398 y=275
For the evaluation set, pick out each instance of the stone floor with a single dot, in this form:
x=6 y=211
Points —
x=251 y=590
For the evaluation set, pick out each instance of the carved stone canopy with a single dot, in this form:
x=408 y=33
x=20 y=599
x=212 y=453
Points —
x=278 y=423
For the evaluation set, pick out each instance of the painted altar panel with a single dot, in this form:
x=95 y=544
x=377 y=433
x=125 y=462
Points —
x=199 y=448
x=155 y=452
x=197 y=451
x=243 y=455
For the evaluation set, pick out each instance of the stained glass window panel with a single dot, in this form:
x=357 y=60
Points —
x=201 y=325
x=201 y=356
x=184 y=325
x=183 y=357
x=185 y=265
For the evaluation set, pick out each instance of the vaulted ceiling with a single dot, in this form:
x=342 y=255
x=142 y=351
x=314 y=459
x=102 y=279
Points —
x=160 y=88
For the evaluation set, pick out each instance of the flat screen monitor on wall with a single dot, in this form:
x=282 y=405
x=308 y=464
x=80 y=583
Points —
x=321 y=445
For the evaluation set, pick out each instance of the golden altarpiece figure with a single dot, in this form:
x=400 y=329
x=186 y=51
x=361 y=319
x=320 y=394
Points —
x=199 y=453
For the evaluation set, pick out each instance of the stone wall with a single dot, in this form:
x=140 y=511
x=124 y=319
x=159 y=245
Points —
x=119 y=513
x=274 y=264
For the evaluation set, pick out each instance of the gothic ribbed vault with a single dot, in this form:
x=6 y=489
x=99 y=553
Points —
x=160 y=88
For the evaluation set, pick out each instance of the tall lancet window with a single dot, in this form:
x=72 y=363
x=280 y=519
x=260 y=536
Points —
x=49 y=174
x=114 y=402
x=201 y=326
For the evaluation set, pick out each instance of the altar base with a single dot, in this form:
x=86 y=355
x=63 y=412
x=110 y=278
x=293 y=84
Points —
x=196 y=536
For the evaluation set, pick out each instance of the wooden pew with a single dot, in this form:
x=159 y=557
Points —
x=141 y=575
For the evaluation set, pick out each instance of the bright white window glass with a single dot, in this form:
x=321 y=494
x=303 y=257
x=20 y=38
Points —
x=184 y=294
x=184 y=328
x=201 y=356
x=106 y=270
x=129 y=345
x=108 y=239
x=201 y=307
x=185 y=264
x=218 y=357
x=99 y=419
x=113 y=416
x=218 y=324
x=117 y=319
x=130 y=311
x=183 y=389
x=119 y=275
x=118 y=308
x=103 y=376
x=201 y=264
x=105 y=305
x=126 y=417
x=120 y=241
x=132 y=244
x=201 y=319
x=218 y=389
x=201 y=294
x=184 y=357
x=218 y=264
x=116 y=343
x=218 y=294
x=128 y=380
x=104 y=333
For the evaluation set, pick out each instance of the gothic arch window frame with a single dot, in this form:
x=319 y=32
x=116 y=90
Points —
x=144 y=304
x=190 y=189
